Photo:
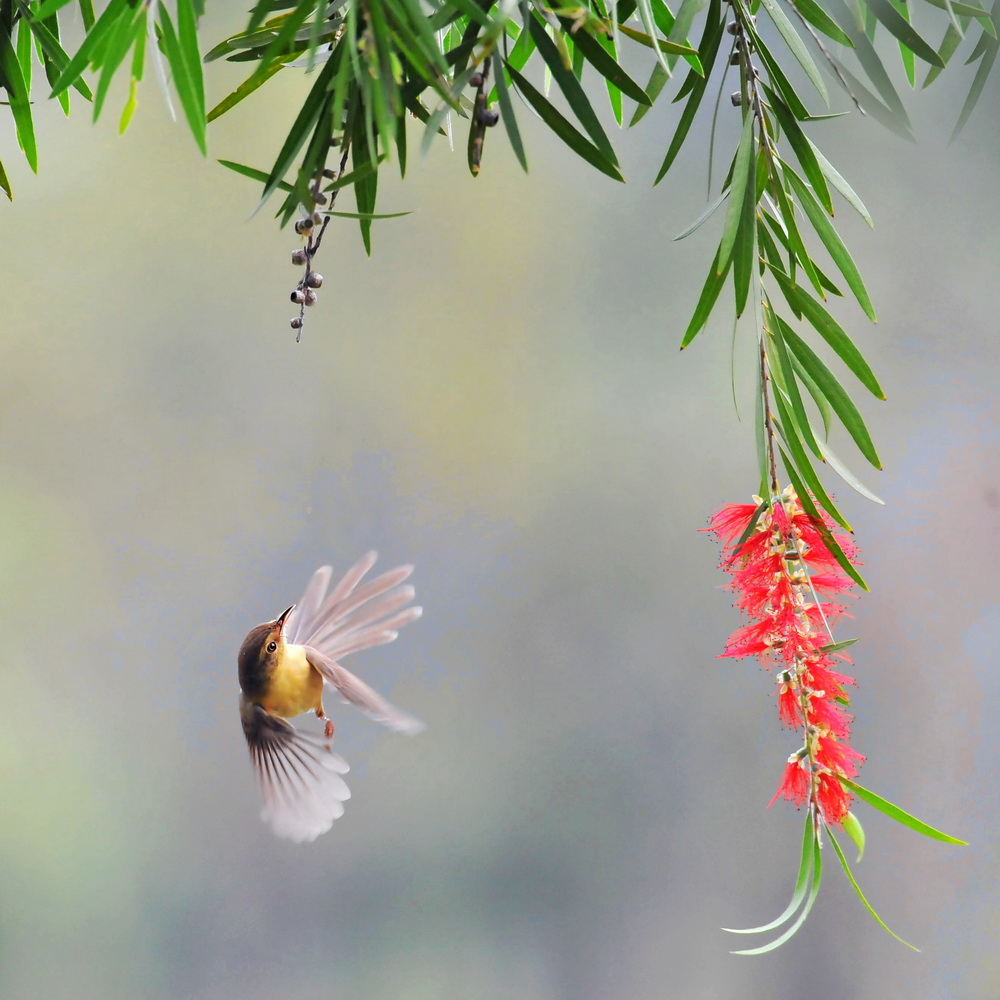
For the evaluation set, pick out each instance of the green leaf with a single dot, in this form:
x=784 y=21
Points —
x=796 y=46
x=953 y=37
x=831 y=543
x=47 y=8
x=845 y=189
x=899 y=815
x=95 y=36
x=304 y=122
x=821 y=21
x=904 y=31
x=801 y=880
x=56 y=54
x=737 y=187
x=709 y=293
x=116 y=48
x=835 y=393
x=831 y=459
x=803 y=465
x=509 y=119
x=657 y=81
x=649 y=23
x=873 y=66
x=817 y=875
x=803 y=149
x=777 y=76
x=606 y=65
x=853 y=828
x=366 y=188
x=5 y=184
x=12 y=80
x=563 y=128
x=696 y=85
x=704 y=217
x=832 y=241
x=182 y=53
x=905 y=53
x=836 y=647
x=660 y=44
x=745 y=248
x=244 y=90
x=822 y=403
x=796 y=244
x=572 y=91
x=861 y=895
x=976 y=90
x=831 y=331
x=783 y=375
x=255 y=175
x=368 y=215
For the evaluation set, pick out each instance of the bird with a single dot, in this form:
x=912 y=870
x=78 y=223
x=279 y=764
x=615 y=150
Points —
x=284 y=667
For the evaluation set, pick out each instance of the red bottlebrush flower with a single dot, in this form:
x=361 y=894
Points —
x=794 y=782
x=778 y=573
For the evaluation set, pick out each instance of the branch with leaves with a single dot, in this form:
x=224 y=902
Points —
x=376 y=66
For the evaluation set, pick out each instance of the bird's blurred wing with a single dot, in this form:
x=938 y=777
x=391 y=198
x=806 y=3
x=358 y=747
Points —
x=352 y=617
x=299 y=775
x=355 y=692
x=309 y=603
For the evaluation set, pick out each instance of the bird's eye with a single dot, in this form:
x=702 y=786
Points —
x=272 y=646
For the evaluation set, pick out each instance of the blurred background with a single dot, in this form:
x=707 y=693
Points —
x=496 y=396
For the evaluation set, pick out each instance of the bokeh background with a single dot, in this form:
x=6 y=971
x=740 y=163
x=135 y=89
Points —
x=496 y=396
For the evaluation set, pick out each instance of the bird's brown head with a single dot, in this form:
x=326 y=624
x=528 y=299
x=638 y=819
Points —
x=260 y=652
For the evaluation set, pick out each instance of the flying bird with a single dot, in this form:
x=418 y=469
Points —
x=284 y=666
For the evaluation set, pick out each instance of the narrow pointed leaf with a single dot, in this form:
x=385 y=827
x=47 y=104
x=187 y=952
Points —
x=831 y=543
x=861 y=895
x=244 y=90
x=831 y=388
x=12 y=80
x=94 y=37
x=704 y=217
x=181 y=50
x=803 y=464
x=796 y=46
x=832 y=459
x=801 y=880
x=572 y=90
x=304 y=122
x=831 y=331
x=606 y=65
x=841 y=185
x=5 y=184
x=904 y=31
x=817 y=866
x=709 y=294
x=737 y=187
x=783 y=375
x=822 y=403
x=821 y=21
x=563 y=128
x=833 y=243
x=255 y=175
x=509 y=119
x=803 y=149
x=900 y=815
x=976 y=90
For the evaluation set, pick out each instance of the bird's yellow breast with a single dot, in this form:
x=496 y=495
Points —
x=294 y=686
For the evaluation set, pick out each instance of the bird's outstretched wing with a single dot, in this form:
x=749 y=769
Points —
x=299 y=775
x=353 y=615
x=355 y=692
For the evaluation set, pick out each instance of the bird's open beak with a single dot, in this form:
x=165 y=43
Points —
x=284 y=614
